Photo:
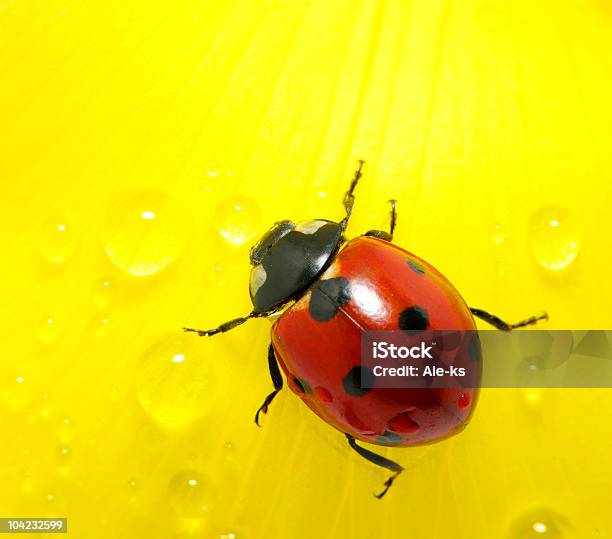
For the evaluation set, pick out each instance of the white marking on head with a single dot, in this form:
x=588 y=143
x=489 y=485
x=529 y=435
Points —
x=310 y=227
x=258 y=278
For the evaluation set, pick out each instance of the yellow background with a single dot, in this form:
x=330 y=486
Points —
x=143 y=146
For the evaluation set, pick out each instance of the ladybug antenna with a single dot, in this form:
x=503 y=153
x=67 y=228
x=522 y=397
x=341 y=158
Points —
x=231 y=324
x=349 y=197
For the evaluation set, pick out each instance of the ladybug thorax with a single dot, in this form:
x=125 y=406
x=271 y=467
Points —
x=288 y=259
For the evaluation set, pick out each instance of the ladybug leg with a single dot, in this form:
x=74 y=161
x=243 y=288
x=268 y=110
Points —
x=231 y=324
x=277 y=380
x=379 y=460
x=382 y=234
x=349 y=197
x=504 y=326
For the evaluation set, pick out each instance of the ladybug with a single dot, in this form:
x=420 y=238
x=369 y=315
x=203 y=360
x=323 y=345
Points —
x=328 y=291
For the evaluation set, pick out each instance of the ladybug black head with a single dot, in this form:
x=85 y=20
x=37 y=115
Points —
x=278 y=230
x=288 y=259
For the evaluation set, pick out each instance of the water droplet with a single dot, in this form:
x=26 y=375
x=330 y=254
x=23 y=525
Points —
x=100 y=327
x=545 y=349
x=113 y=393
x=177 y=379
x=103 y=292
x=540 y=524
x=145 y=232
x=48 y=331
x=498 y=234
x=532 y=396
x=64 y=457
x=213 y=170
x=17 y=390
x=57 y=240
x=237 y=219
x=65 y=429
x=229 y=451
x=45 y=407
x=218 y=274
x=529 y=374
x=555 y=237
x=215 y=177
x=190 y=494
x=28 y=483
x=133 y=490
x=530 y=380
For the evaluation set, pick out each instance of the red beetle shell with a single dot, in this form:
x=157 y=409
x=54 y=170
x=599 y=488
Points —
x=316 y=355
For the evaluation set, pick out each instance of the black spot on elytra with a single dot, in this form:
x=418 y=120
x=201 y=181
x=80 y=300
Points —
x=416 y=267
x=302 y=385
x=428 y=378
x=414 y=318
x=352 y=381
x=389 y=438
x=474 y=350
x=327 y=297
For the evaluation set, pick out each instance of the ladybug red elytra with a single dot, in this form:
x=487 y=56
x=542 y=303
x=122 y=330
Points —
x=330 y=291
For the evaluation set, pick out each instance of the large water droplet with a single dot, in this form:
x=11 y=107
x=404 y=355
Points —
x=190 y=493
x=145 y=232
x=237 y=219
x=177 y=379
x=539 y=524
x=555 y=237
x=58 y=240
x=545 y=349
